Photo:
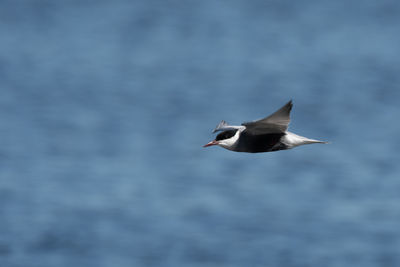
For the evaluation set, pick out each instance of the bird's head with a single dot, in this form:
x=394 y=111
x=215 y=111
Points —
x=225 y=139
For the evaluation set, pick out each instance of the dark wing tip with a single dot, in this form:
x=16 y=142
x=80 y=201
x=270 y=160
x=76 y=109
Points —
x=290 y=104
x=287 y=107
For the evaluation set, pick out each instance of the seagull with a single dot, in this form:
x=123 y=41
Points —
x=264 y=135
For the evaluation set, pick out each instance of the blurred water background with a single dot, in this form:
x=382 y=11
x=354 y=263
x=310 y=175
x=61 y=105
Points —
x=104 y=107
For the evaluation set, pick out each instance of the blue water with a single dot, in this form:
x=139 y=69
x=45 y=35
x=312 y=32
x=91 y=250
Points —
x=104 y=107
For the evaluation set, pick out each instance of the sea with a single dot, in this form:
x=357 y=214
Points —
x=105 y=107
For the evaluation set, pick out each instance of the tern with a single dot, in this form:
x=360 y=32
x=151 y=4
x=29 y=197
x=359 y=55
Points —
x=264 y=135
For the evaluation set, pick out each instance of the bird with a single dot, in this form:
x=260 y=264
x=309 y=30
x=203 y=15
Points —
x=264 y=135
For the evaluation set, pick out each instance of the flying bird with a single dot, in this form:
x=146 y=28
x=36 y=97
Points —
x=264 y=135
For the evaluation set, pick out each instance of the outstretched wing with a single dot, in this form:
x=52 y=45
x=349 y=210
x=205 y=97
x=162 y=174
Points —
x=275 y=123
x=224 y=126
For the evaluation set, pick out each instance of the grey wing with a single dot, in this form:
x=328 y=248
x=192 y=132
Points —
x=224 y=126
x=275 y=123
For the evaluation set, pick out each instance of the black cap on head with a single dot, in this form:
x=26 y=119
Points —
x=226 y=135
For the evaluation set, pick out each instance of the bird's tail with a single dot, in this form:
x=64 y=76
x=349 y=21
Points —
x=293 y=140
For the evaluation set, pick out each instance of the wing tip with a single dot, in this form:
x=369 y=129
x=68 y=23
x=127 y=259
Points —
x=219 y=126
x=290 y=104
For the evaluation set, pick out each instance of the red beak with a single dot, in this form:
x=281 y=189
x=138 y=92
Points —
x=212 y=143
